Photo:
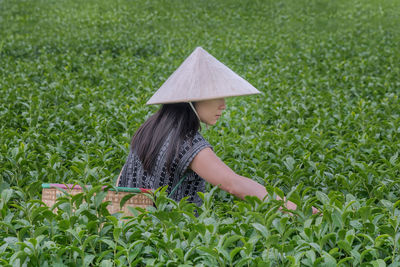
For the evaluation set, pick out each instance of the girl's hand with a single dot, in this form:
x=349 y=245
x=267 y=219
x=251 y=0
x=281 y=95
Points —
x=315 y=211
x=291 y=206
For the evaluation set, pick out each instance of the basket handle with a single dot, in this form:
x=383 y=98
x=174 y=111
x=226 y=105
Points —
x=176 y=186
x=170 y=194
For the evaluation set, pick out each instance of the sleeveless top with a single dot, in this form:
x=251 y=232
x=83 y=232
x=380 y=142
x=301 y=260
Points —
x=133 y=174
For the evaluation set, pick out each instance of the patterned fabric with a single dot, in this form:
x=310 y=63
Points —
x=133 y=174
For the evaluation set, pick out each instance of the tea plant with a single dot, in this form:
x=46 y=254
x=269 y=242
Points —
x=74 y=80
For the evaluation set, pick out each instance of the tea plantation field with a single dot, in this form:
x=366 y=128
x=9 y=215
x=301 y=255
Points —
x=325 y=132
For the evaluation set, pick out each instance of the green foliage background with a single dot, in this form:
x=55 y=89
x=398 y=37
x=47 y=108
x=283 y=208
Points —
x=74 y=79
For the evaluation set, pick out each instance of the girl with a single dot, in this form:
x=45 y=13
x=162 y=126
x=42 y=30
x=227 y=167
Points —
x=168 y=148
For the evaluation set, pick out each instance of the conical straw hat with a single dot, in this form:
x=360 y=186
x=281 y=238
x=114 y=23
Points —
x=201 y=77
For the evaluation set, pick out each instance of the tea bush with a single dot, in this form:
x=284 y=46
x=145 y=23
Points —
x=74 y=80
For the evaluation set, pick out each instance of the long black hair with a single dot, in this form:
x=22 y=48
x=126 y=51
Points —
x=177 y=119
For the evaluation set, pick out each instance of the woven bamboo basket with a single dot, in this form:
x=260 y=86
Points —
x=50 y=192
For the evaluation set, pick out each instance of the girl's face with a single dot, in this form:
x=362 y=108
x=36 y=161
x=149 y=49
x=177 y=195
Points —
x=210 y=110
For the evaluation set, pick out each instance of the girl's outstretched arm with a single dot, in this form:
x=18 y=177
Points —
x=212 y=169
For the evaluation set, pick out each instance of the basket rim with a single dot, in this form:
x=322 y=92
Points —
x=117 y=189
